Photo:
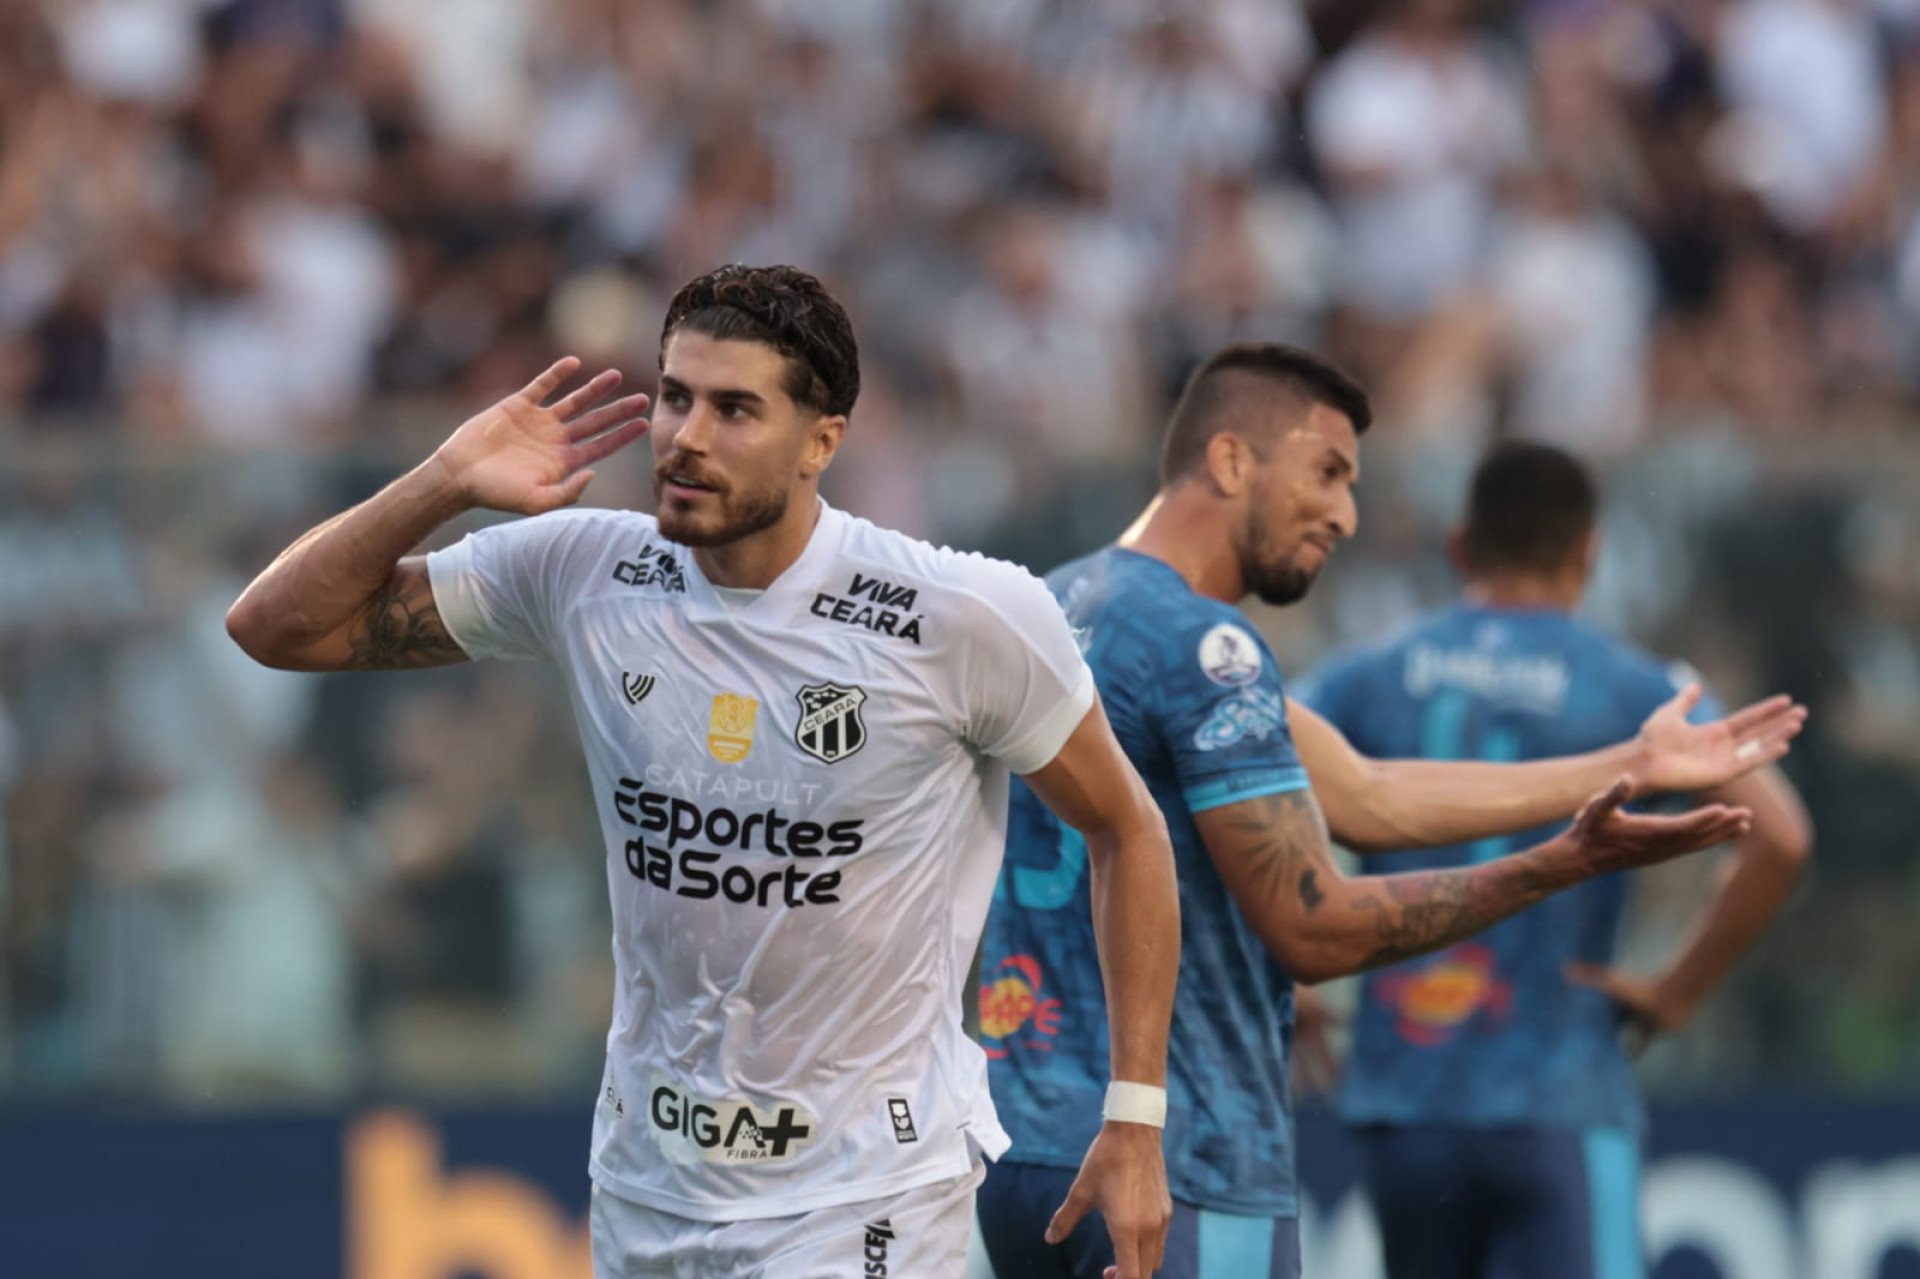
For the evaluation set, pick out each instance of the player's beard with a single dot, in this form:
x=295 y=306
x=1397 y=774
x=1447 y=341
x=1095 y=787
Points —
x=741 y=515
x=1274 y=577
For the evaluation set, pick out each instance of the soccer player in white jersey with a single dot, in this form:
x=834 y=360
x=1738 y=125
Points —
x=799 y=729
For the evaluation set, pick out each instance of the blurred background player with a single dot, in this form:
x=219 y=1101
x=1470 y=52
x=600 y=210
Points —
x=1260 y=459
x=1488 y=1086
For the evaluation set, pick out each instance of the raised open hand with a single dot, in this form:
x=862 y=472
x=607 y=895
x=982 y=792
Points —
x=526 y=456
x=1676 y=755
x=1609 y=838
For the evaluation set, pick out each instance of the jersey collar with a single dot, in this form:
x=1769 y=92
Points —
x=823 y=544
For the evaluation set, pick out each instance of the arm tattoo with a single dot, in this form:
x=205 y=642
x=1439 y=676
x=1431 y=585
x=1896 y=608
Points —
x=1281 y=835
x=401 y=629
x=1310 y=894
x=1424 y=910
x=1280 y=860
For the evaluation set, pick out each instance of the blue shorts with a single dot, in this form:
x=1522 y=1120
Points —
x=1018 y=1200
x=1516 y=1203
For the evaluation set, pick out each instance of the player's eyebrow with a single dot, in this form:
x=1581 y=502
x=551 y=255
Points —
x=722 y=396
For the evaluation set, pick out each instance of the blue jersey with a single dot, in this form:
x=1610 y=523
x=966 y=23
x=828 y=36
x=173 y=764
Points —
x=1196 y=702
x=1488 y=1032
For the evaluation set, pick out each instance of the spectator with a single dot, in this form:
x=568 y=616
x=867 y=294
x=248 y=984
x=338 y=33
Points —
x=1804 y=79
x=1575 y=294
x=1413 y=126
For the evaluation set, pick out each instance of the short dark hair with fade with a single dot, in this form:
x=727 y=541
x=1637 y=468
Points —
x=1201 y=412
x=787 y=309
x=1530 y=509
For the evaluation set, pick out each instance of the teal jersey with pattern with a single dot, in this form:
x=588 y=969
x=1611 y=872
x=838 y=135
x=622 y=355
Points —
x=1489 y=1032
x=1196 y=701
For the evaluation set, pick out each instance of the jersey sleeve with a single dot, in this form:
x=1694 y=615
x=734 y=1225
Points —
x=1220 y=704
x=1024 y=685
x=498 y=589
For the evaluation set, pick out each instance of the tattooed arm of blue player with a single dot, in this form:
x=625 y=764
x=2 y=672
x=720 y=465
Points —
x=1092 y=787
x=342 y=598
x=1272 y=852
x=1755 y=881
x=1383 y=805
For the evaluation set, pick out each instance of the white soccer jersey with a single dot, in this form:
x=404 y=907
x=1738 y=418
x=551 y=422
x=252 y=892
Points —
x=804 y=804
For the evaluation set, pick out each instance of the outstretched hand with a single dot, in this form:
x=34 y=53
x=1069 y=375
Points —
x=526 y=456
x=1677 y=755
x=1124 y=1177
x=1611 y=839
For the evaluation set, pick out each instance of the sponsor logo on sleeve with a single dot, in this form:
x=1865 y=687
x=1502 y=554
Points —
x=636 y=687
x=1014 y=1008
x=1230 y=656
x=1258 y=713
x=872 y=604
x=730 y=726
x=691 y=1129
x=830 y=727
x=653 y=566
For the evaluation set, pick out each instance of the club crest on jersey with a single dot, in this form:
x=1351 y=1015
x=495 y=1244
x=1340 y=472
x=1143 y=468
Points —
x=636 y=687
x=730 y=726
x=1230 y=656
x=830 y=727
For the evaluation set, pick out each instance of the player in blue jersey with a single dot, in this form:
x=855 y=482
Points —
x=1261 y=456
x=1487 y=1083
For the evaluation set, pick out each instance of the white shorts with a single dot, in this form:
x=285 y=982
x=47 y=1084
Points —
x=917 y=1234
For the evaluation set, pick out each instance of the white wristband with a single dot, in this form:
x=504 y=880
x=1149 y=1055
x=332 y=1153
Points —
x=1136 y=1104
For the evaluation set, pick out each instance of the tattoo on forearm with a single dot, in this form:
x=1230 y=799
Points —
x=1280 y=844
x=401 y=629
x=1424 y=910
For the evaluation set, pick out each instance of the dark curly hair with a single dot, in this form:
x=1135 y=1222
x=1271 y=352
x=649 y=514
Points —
x=787 y=309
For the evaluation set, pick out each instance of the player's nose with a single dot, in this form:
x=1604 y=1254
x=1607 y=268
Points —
x=1344 y=520
x=696 y=431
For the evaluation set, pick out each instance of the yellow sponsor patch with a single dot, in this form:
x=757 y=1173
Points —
x=730 y=727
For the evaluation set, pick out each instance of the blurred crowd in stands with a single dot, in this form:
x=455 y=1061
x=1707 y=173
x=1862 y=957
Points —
x=256 y=256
